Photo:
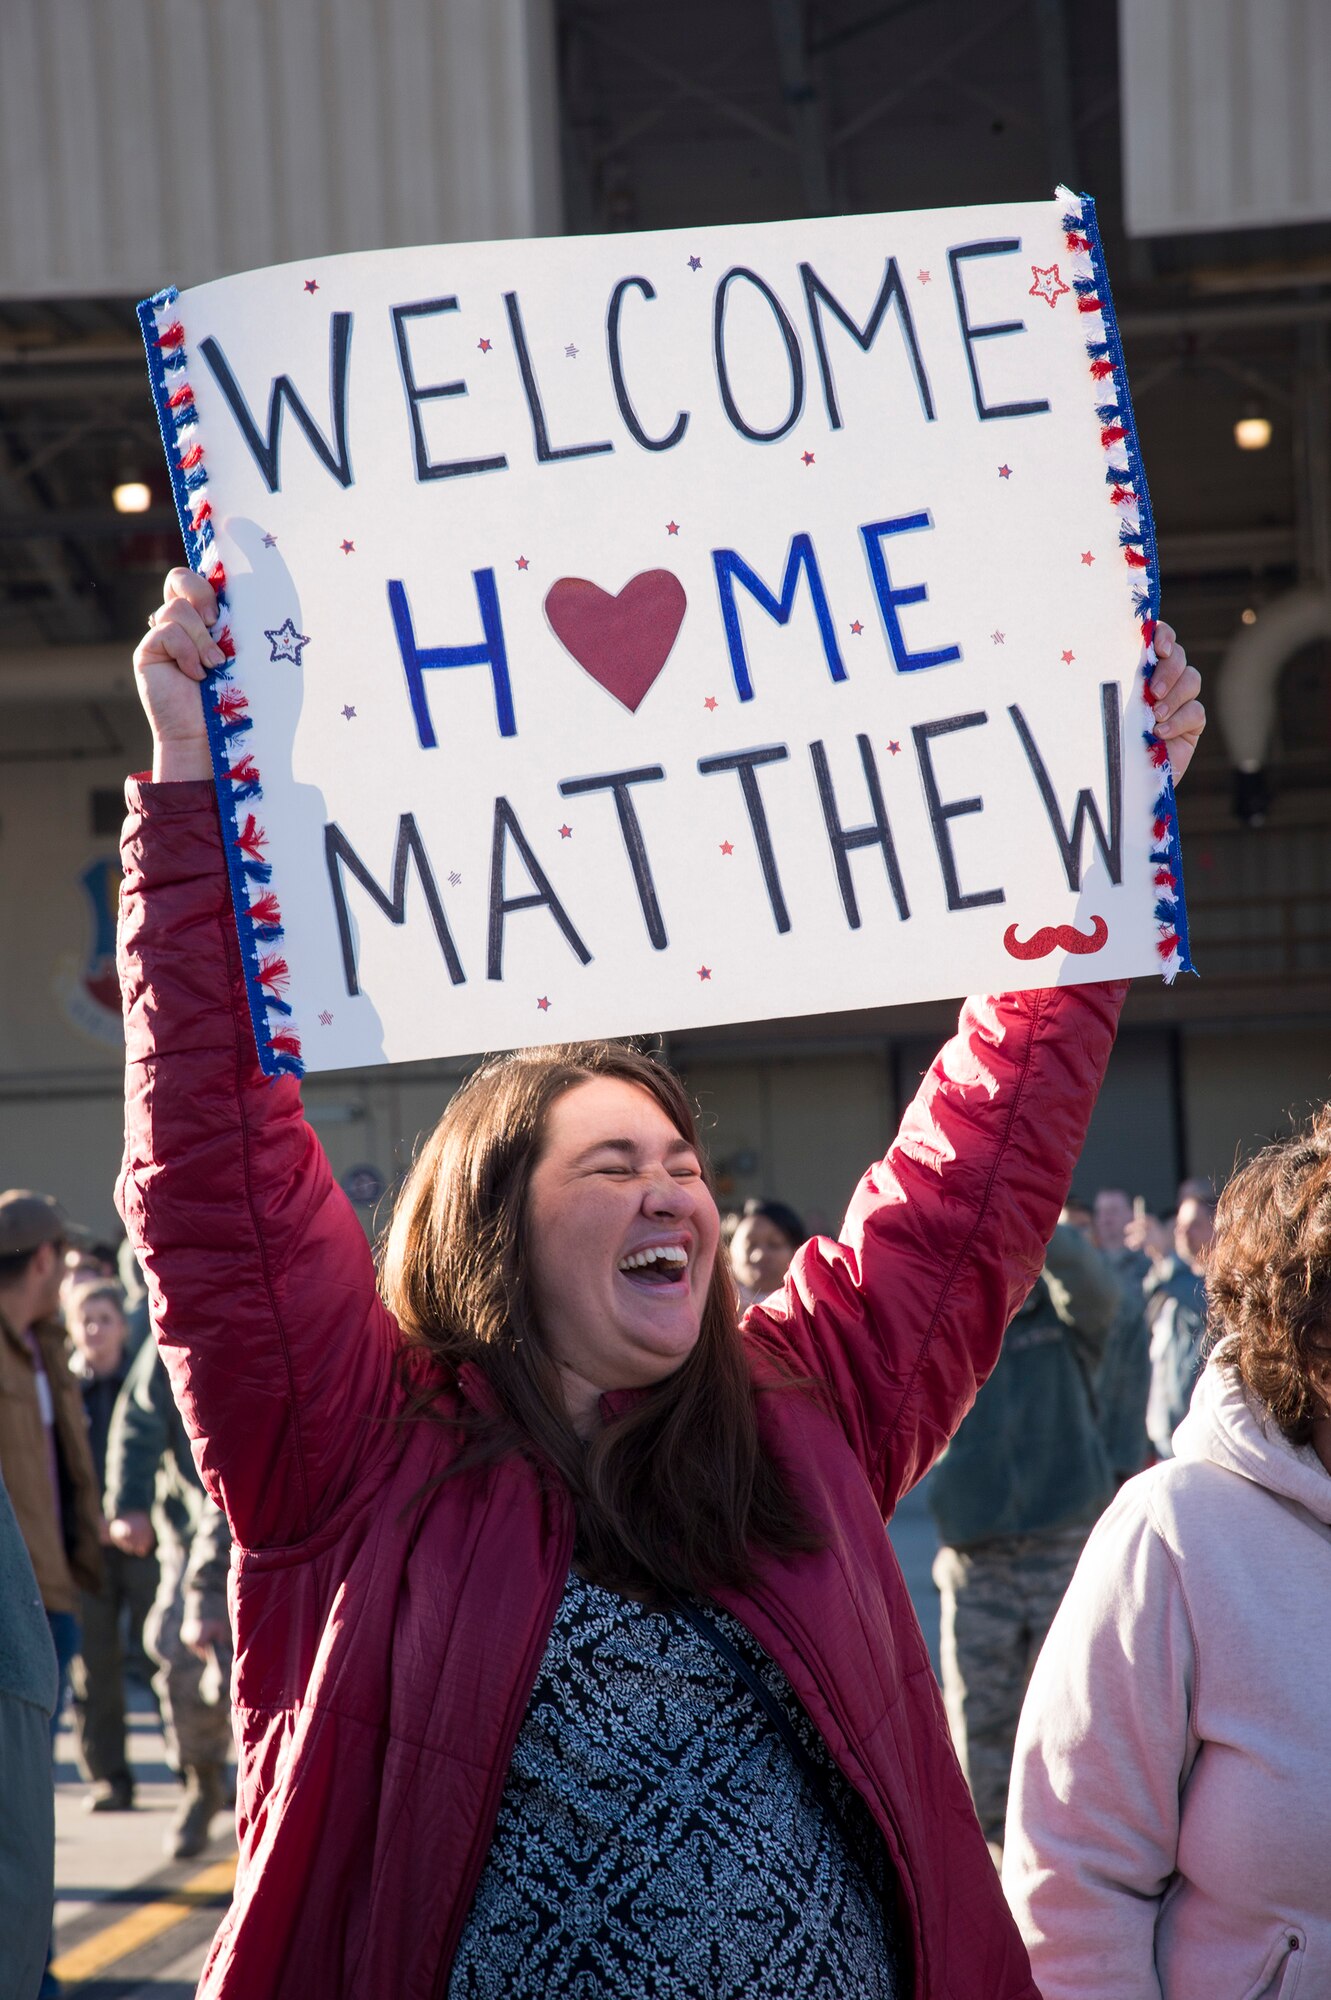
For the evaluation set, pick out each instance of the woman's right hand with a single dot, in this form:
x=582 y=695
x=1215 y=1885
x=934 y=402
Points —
x=170 y=663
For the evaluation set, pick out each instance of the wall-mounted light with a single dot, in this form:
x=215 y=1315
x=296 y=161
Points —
x=131 y=496
x=1248 y=616
x=1252 y=432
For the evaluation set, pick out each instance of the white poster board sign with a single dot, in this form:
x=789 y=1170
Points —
x=635 y=632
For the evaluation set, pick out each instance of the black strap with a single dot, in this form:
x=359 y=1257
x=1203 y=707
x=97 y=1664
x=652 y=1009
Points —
x=776 y=1715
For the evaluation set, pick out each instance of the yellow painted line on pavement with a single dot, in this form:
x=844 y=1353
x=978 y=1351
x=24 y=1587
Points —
x=132 y=1932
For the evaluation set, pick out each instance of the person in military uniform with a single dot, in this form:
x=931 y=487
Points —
x=1014 y=1496
x=154 y=1497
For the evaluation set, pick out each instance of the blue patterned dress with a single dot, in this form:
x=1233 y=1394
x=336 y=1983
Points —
x=656 y=1837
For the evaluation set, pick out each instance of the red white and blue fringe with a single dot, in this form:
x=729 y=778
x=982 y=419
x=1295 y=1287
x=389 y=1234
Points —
x=1126 y=481
x=226 y=707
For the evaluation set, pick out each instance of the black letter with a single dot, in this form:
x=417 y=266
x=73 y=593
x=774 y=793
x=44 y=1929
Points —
x=793 y=355
x=626 y=409
x=336 y=457
x=545 y=451
x=940 y=814
x=618 y=782
x=746 y=762
x=1070 y=842
x=970 y=334
x=891 y=289
x=877 y=834
x=426 y=468
x=506 y=824
x=339 y=853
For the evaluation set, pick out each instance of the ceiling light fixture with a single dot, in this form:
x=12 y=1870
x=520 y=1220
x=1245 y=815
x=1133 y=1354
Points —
x=1252 y=432
x=131 y=496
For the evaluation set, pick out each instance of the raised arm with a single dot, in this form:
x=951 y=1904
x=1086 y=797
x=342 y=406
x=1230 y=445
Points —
x=903 y=1318
x=259 y=1277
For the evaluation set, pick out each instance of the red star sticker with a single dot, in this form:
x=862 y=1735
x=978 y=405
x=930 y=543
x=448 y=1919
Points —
x=1087 y=557
x=894 y=749
x=806 y=457
x=566 y=833
x=709 y=701
x=672 y=527
x=348 y=548
x=704 y=972
x=523 y=563
x=485 y=346
x=856 y=627
x=727 y=847
x=325 y=1019
x=544 y=1003
x=1048 y=283
x=1067 y=657
x=923 y=277
x=1005 y=472
x=311 y=285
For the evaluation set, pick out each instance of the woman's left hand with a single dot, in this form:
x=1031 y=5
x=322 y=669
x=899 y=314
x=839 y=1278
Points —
x=1179 y=716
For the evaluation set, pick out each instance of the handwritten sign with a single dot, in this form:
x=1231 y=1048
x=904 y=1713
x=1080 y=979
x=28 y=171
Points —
x=635 y=632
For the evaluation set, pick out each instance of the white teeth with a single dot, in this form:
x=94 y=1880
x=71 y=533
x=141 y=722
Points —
x=664 y=1253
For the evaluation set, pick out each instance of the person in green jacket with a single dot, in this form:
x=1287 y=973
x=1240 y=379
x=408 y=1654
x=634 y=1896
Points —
x=1014 y=1497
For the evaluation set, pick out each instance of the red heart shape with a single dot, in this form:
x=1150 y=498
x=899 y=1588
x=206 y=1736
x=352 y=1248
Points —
x=622 y=642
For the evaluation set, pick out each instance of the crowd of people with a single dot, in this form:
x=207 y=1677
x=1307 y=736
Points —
x=570 y=1653
x=107 y=1535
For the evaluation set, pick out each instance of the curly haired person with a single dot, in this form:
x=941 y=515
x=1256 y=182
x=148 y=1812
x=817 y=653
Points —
x=1169 y=1823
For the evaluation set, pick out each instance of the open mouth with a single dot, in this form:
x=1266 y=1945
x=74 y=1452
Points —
x=657 y=1267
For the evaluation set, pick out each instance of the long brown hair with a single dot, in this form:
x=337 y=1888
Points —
x=678 y=1490
x=1268 y=1276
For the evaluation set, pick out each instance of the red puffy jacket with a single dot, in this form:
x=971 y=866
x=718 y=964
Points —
x=387 y=1643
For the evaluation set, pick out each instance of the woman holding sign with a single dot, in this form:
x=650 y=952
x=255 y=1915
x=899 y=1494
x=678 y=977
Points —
x=571 y=1654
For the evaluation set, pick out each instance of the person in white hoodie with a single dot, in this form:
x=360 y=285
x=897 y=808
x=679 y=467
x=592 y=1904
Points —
x=1169 y=1821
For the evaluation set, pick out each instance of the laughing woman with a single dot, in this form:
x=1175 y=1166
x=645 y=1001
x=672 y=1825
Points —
x=572 y=1657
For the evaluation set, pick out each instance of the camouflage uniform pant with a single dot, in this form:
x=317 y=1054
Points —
x=194 y=1693
x=998 y=1602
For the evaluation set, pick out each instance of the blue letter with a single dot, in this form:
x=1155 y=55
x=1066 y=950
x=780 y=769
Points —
x=731 y=568
x=489 y=653
x=872 y=534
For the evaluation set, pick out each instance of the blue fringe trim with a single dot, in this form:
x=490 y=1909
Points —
x=241 y=872
x=1146 y=598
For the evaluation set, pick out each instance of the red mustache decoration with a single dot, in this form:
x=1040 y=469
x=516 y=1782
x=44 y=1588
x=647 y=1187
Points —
x=1055 y=937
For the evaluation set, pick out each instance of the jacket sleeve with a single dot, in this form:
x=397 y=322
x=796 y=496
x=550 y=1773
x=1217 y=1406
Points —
x=135 y=1441
x=208 y=1565
x=259 y=1277
x=902 y=1320
x=1103 y=1748
x=1084 y=1291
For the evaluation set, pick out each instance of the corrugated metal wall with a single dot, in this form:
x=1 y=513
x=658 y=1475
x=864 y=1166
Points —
x=1225 y=120
x=152 y=141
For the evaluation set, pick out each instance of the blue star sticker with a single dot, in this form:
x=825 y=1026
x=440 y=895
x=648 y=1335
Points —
x=285 y=642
